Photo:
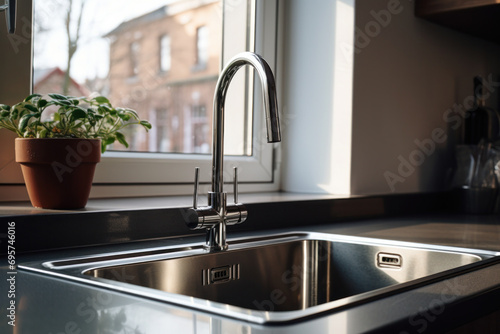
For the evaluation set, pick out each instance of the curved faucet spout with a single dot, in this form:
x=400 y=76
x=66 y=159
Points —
x=270 y=107
x=219 y=213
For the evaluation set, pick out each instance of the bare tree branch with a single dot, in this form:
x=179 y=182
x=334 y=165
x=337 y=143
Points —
x=72 y=40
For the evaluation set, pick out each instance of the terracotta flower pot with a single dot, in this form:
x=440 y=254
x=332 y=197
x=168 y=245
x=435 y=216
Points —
x=58 y=172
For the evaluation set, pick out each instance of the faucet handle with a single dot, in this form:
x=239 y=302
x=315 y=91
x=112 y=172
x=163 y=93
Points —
x=238 y=210
x=195 y=195
x=235 y=184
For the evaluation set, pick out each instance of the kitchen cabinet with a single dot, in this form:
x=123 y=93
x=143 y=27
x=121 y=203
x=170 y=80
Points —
x=476 y=17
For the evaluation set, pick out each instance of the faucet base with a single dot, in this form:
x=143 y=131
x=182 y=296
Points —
x=216 y=238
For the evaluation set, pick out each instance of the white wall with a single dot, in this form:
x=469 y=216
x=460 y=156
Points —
x=405 y=80
x=317 y=81
x=407 y=73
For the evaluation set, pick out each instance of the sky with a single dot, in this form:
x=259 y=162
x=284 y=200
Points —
x=100 y=17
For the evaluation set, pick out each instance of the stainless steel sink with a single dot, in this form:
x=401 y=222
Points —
x=272 y=279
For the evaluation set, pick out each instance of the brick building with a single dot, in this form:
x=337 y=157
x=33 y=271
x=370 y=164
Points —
x=165 y=65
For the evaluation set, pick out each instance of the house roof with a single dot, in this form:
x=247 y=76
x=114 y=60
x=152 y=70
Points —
x=42 y=75
x=167 y=10
x=149 y=17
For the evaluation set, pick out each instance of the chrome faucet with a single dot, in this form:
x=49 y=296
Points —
x=218 y=213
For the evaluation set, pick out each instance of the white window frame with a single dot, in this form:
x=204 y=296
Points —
x=125 y=174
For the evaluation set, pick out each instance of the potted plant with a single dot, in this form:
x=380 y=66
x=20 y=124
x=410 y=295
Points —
x=60 y=142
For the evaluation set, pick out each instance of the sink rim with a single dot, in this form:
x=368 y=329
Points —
x=74 y=268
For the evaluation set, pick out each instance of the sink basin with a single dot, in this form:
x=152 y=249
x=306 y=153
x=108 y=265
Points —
x=271 y=279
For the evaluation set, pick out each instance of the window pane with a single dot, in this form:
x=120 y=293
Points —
x=165 y=58
x=135 y=48
x=159 y=57
x=202 y=45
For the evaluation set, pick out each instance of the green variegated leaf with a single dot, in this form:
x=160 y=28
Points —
x=63 y=103
x=145 y=124
x=103 y=109
x=132 y=112
x=29 y=98
x=101 y=100
x=78 y=114
x=42 y=103
x=125 y=117
x=31 y=107
x=23 y=123
x=121 y=139
x=58 y=97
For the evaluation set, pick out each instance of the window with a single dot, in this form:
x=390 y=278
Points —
x=201 y=47
x=165 y=57
x=180 y=104
x=135 y=48
x=200 y=130
x=149 y=46
x=160 y=134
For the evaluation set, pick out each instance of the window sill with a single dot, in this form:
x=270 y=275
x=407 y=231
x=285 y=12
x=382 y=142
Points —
x=163 y=73
x=132 y=79
x=199 y=67
x=12 y=209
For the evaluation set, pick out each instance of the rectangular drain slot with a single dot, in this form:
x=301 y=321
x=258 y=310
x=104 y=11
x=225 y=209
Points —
x=388 y=260
x=220 y=274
